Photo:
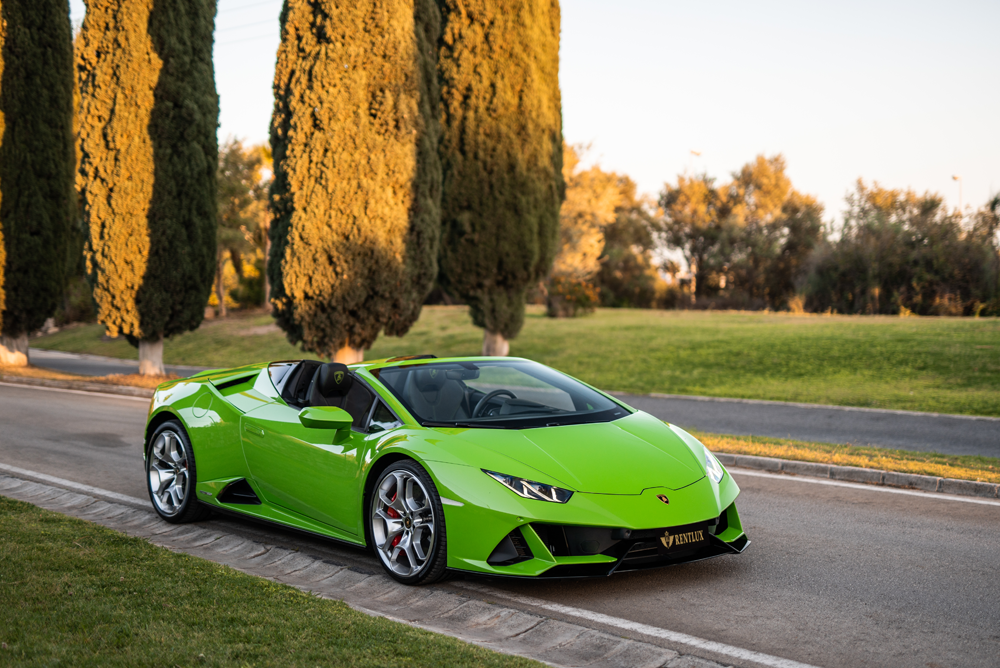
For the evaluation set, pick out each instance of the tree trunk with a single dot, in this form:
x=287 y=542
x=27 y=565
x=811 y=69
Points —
x=695 y=283
x=151 y=358
x=14 y=350
x=349 y=355
x=494 y=344
x=267 y=258
x=220 y=288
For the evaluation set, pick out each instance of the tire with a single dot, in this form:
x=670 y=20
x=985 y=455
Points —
x=171 y=475
x=407 y=530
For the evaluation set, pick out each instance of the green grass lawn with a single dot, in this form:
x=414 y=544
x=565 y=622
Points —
x=949 y=365
x=73 y=593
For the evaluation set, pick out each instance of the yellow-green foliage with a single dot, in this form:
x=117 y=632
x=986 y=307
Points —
x=147 y=149
x=36 y=159
x=501 y=152
x=356 y=194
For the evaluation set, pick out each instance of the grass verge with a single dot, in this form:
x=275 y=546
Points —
x=962 y=467
x=946 y=365
x=77 y=594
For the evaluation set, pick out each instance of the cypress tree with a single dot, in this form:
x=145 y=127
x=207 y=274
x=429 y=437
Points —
x=36 y=166
x=501 y=153
x=357 y=178
x=148 y=152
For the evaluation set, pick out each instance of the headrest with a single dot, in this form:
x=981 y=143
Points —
x=429 y=380
x=333 y=380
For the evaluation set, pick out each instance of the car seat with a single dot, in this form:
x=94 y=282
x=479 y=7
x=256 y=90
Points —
x=434 y=396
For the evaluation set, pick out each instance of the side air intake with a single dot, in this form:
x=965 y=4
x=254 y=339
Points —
x=239 y=492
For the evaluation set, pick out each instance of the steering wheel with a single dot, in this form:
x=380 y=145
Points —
x=478 y=410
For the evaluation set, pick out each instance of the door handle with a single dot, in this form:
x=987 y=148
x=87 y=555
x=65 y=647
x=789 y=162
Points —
x=253 y=429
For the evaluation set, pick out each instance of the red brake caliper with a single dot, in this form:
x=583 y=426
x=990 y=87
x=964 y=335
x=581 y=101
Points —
x=394 y=514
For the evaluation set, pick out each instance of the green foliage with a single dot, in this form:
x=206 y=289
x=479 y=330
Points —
x=900 y=252
x=748 y=240
x=775 y=230
x=501 y=152
x=243 y=216
x=147 y=148
x=592 y=197
x=697 y=222
x=78 y=594
x=570 y=296
x=36 y=159
x=628 y=276
x=356 y=194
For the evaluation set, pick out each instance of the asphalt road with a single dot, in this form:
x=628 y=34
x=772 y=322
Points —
x=924 y=432
x=836 y=576
x=955 y=435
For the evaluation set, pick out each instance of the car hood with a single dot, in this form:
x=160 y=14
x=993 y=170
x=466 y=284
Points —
x=621 y=457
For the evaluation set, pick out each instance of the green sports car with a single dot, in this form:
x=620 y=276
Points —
x=496 y=466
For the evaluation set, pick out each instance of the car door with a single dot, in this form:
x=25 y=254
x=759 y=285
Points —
x=313 y=472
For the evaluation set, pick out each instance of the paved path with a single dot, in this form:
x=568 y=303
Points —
x=828 y=424
x=95 y=365
x=835 y=576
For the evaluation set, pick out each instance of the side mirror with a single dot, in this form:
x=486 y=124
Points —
x=325 y=417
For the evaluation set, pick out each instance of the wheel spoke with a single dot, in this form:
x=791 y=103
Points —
x=413 y=505
x=418 y=543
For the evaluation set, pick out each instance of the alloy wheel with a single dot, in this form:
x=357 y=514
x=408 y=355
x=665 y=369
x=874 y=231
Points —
x=403 y=523
x=168 y=472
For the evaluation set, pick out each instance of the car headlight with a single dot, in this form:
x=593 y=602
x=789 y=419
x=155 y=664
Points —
x=530 y=489
x=714 y=468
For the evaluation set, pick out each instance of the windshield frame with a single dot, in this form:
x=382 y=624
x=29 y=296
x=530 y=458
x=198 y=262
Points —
x=615 y=412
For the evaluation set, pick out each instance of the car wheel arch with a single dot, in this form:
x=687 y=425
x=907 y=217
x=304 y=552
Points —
x=155 y=422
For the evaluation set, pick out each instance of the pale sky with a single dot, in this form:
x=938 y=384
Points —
x=905 y=93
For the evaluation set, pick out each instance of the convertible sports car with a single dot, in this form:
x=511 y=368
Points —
x=498 y=466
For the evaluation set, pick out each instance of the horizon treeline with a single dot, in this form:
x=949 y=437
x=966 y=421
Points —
x=754 y=243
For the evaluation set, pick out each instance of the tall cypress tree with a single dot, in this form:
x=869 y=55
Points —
x=501 y=151
x=148 y=151
x=357 y=178
x=36 y=166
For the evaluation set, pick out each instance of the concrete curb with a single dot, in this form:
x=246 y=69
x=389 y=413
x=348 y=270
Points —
x=503 y=629
x=924 y=483
x=78 y=385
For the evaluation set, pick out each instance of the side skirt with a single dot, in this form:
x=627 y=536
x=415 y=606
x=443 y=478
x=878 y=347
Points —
x=265 y=514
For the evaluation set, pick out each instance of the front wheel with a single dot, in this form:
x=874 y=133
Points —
x=171 y=475
x=406 y=524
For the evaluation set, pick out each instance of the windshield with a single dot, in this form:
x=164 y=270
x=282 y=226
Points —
x=511 y=394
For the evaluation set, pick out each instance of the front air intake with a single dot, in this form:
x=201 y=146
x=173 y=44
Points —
x=513 y=549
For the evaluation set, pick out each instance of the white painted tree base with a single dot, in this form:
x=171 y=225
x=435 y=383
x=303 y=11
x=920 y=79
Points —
x=14 y=350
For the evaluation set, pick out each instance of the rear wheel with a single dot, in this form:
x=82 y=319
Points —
x=406 y=524
x=171 y=475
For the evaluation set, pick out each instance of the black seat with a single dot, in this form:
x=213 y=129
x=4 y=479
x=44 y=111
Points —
x=330 y=385
x=296 y=389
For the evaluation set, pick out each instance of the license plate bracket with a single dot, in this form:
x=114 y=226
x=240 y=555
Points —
x=683 y=539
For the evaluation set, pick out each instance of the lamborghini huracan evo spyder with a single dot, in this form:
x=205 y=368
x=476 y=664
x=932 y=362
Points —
x=497 y=466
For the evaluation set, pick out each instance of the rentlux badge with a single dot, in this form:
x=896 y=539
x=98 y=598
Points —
x=675 y=540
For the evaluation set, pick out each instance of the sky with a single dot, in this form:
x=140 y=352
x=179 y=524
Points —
x=903 y=93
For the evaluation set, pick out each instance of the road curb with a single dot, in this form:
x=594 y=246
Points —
x=503 y=629
x=78 y=385
x=924 y=483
